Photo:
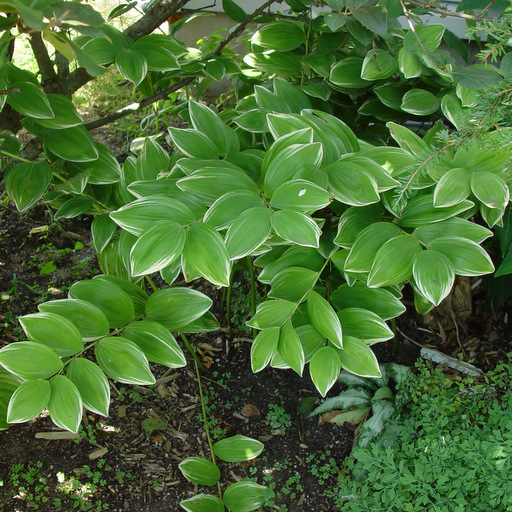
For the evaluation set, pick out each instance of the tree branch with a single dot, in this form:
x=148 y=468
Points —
x=48 y=75
x=444 y=12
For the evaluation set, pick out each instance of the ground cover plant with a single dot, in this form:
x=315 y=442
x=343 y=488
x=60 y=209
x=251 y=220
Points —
x=309 y=178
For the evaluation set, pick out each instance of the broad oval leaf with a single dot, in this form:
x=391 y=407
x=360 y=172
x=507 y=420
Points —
x=378 y=64
x=116 y=304
x=92 y=384
x=452 y=188
x=367 y=244
x=73 y=144
x=65 y=404
x=132 y=65
x=490 y=189
x=237 y=448
x=9 y=383
x=357 y=357
x=136 y=293
x=103 y=229
x=157 y=247
x=66 y=115
x=300 y=195
x=193 y=143
x=206 y=252
x=175 y=308
x=292 y=283
x=274 y=62
x=324 y=367
x=90 y=321
x=30 y=101
x=347 y=73
x=123 y=361
x=364 y=324
x=290 y=348
x=466 y=256
x=248 y=232
x=264 y=348
x=203 y=503
x=54 y=331
x=352 y=222
x=282 y=35
x=26 y=183
x=272 y=313
x=454 y=227
x=199 y=471
x=157 y=343
x=30 y=360
x=380 y=301
x=296 y=227
x=310 y=339
x=28 y=401
x=393 y=261
x=433 y=275
x=324 y=319
x=141 y=214
x=244 y=496
x=419 y=102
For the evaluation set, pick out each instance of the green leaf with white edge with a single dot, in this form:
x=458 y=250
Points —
x=141 y=214
x=9 y=383
x=65 y=405
x=282 y=35
x=290 y=348
x=248 y=232
x=30 y=360
x=244 y=496
x=208 y=184
x=110 y=298
x=378 y=64
x=28 y=401
x=73 y=144
x=158 y=58
x=205 y=323
x=123 y=361
x=254 y=121
x=137 y=294
x=324 y=367
x=490 y=189
x=274 y=62
x=452 y=109
x=65 y=113
x=237 y=448
x=454 y=227
x=379 y=301
x=433 y=275
x=193 y=143
x=292 y=283
x=26 y=183
x=420 y=211
x=30 y=101
x=283 y=124
x=452 y=188
x=208 y=122
x=376 y=171
x=132 y=65
x=176 y=307
x=234 y=11
x=296 y=99
x=346 y=73
x=223 y=212
x=409 y=63
x=351 y=184
x=103 y=229
x=300 y=195
x=353 y=220
x=466 y=256
x=429 y=35
x=199 y=471
x=74 y=207
x=272 y=313
x=422 y=305
x=89 y=319
x=420 y=102
x=54 y=331
x=153 y=160
x=203 y=503
x=365 y=325
x=296 y=227
x=408 y=140
x=157 y=248
x=288 y=162
x=206 y=252
x=92 y=384
x=267 y=100
x=264 y=348
x=367 y=244
x=357 y=357
x=324 y=319
x=393 y=261
x=310 y=339
x=157 y=343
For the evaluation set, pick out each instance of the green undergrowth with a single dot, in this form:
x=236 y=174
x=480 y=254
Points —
x=448 y=450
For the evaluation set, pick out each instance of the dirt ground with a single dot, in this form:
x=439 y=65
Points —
x=129 y=461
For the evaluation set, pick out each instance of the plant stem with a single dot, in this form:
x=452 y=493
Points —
x=205 y=422
x=228 y=307
x=11 y=155
x=253 y=289
x=197 y=361
x=151 y=283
